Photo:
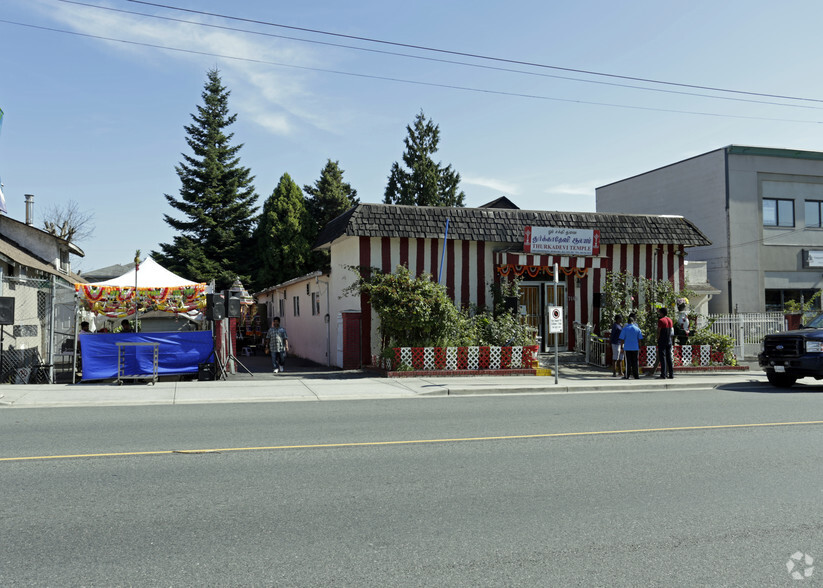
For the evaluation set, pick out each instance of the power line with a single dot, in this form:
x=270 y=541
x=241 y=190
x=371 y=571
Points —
x=474 y=55
x=436 y=60
x=401 y=80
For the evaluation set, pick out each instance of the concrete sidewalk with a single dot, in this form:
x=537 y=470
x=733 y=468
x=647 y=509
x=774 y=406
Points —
x=305 y=382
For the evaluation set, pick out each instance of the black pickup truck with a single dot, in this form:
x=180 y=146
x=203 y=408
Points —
x=792 y=355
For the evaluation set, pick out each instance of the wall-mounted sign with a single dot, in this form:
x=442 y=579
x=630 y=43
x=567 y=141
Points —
x=560 y=241
x=814 y=258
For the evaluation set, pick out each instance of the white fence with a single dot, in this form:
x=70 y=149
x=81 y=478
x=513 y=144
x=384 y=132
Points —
x=747 y=329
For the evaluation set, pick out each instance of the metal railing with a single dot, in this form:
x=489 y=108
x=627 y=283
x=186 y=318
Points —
x=747 y=329
x=589 y=344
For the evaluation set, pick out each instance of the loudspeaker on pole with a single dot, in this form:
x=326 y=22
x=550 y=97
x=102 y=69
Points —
x=215 y=306
x=232 y=307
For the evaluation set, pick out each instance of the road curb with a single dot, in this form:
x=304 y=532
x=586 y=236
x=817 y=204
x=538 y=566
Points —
x=565 y=389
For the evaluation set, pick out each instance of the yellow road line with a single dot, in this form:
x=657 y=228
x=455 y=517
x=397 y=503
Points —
x=415 y=441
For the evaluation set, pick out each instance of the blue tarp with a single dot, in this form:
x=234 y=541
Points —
x=179 y=353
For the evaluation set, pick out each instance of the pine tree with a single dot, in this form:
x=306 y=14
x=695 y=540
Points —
x=330 y=196
x=327 y=199
x=216 y=198
x=426 y=183
x=283 y=249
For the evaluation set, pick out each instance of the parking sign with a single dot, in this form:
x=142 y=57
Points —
x=555 y=319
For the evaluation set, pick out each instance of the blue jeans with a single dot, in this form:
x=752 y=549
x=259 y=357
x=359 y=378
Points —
x=278 y=359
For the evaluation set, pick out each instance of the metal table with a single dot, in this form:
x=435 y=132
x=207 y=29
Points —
x=121 y=361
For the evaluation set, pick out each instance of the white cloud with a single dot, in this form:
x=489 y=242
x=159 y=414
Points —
x=491 y=183
x=278 y=99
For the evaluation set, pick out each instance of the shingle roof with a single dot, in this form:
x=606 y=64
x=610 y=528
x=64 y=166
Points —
x=505 y=226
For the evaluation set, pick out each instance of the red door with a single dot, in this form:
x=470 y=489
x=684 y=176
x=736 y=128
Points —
x=351 y=340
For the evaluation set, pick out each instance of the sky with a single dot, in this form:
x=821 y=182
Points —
x=538 y=100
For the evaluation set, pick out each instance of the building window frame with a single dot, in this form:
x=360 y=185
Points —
x=816 y=206
x=296 y=302
x=783 y=207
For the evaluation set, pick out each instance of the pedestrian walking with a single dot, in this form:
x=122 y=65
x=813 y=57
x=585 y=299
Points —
x=665 y=336
x=277 y=343
x=630 y=337
x=617 y=351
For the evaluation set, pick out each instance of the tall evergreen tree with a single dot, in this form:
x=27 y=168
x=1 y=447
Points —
x=424 y=182
x=216 y=198
x=327 y=199
x=330 y=196
x=283 y=249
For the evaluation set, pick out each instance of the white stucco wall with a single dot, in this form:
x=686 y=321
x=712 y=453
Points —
x=345 y=252
x=308 y=332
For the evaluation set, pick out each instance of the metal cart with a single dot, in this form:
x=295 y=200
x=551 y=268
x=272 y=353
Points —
x=121 y=361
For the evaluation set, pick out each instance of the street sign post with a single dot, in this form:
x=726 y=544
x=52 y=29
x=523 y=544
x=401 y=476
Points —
x=553 y=322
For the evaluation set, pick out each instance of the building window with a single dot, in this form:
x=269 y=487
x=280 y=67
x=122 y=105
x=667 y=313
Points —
x=282 y=308
x=65 y=261
x=776 y=299
x=296 y=301
x=778 y=212
x=813 y=213
x=315 y=303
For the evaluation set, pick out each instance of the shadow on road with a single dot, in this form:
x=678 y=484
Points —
x=760 y=387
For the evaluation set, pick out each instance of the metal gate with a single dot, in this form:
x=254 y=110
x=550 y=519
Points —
x=40 y=339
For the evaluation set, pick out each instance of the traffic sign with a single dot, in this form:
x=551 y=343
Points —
x=555 y=319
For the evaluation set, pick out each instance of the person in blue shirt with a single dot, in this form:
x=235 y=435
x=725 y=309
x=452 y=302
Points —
x=630 y=337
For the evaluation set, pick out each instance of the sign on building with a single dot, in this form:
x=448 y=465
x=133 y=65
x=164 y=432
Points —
x=561 y=241
x=813 y=258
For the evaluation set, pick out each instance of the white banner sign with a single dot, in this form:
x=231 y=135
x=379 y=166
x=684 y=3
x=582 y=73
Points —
x=560 y=241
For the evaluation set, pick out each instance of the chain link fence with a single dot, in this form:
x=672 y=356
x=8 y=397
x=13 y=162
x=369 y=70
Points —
x=37 y=346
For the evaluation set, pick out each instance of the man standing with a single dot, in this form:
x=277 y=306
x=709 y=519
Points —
x=665 y=333
x=630 y=337
x=277 y=343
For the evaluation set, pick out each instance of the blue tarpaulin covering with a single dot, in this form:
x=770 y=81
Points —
x=179 y=353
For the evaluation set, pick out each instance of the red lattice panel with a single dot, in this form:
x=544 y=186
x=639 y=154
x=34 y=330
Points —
x=418 y=359
x=439 y=358
x=462 y=358
x=397 y=359
x=506 y=358
x=484 y=358
x=717 y=356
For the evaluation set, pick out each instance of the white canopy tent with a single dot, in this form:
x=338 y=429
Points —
x=146 y=288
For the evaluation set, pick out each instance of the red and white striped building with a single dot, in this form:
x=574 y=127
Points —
x=482 y=245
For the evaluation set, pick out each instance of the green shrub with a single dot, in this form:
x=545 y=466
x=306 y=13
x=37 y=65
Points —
x=417 y=312
x=718 y=342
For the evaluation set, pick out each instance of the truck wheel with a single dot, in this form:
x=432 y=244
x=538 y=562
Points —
x=780 y=380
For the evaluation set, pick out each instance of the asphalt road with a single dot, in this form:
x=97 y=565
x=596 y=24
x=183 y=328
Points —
x=593 y=489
